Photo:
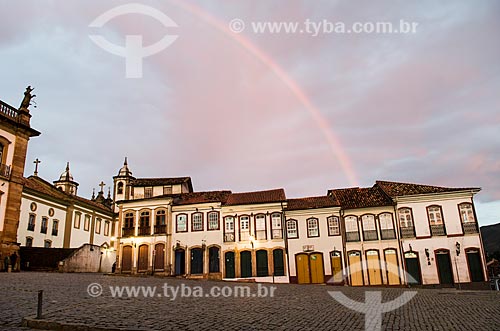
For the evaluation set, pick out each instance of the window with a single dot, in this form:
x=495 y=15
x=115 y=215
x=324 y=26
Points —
x=386 y=226
x=292 y=230
x=276 y=228
x=128 y=221
x=467 y=213
x=98 y=225
x=181 y=223
x=333 y=226
x=405 y=218
x=260 y=227
x=148 y=192
x=78 y=218
x=86 y=222
x=167 y=189
x=312 y=227
x=351 y=228
x=51 y=212
x=45 y=221
x=31 y=222
x=228 y=229
x=106 y=228
x=119 y=190
x=33 y=206
x=29 y=242
x=55 y=227
x=213 y=220
x=244 y=228
x=144 y=223
x=47 y=244
x=435 y=215
x=197 y=222
x=369 y=227
x=161 y=221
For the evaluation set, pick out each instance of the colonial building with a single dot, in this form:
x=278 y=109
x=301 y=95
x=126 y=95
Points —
x=15 y=131
x=53 y=215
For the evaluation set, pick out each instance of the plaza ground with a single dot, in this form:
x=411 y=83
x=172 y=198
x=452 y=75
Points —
x=293 y=307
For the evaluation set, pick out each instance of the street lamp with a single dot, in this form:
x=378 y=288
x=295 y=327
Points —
x=457 y=246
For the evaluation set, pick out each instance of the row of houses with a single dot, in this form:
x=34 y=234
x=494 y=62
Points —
x=388 y=234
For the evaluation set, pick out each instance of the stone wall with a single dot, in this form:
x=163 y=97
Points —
x=89 y=258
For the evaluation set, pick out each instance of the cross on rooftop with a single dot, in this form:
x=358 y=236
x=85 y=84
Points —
x=102 y=186
x=36 y=162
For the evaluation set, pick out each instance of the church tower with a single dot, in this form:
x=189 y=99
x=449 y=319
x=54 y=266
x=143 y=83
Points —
x=66 y=182
x=122 y=183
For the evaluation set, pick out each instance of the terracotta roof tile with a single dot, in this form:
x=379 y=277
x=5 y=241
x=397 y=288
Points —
x=246 y=198
x=312 y=203
x=356 y=197
x=395 y=189
x=201 y=197
x=162 y=181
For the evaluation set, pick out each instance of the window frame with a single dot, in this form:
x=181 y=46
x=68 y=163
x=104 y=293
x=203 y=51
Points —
x=276 y=228
x=26 y=241
x=150 y=191
x=225 y=231
x=78 y=216
x=193 y=221
x=296 y=225
x=30 y=217
x=86 y=222
x=392 y=226
x=363 y=217
x=240 y=230
x=460 y=205
x=309 y=235
x=255 y=226
x=129 y=215
x=355 y=220
x=98 y=224
x=47 y=241
x=119 y=188
x=43 y=229
x=177 y=222
x=106 y=227
x=213 y=212
x=330 y=232
x=440 y=213
x=55 y=227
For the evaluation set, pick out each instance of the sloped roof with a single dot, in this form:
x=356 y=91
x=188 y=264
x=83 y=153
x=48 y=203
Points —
x=201 y=197
x=364 y=197
x=246 y=198
x=162 y=181
x=39 y=185
x=312 y=203
x=395 y=189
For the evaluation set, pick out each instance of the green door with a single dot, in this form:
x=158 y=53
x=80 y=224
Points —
x=412 y=268
x=229 y=264
x=262 y=269
x=444 y=268
x=279 y=265
x=246 y=264
x=475 y=266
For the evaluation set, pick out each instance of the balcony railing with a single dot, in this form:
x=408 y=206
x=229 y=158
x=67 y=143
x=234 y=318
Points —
x=144 y=231
x=8 y=111
x=370 y=235
x=387 y=234
x=229 y=237
x=128 y=232
x=43 y=229
x=407 y=232
x=277 y=234
x=54 y=232
x=470 y=227
x=438 y=230
x=352 y=236
x=5 y=171
x=160 y=229
x=31 y=227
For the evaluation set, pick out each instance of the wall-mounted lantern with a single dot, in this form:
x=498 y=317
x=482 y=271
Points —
x=428 y=256
x=457 y=245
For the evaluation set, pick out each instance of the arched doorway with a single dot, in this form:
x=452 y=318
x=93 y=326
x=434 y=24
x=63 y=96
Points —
x=445 y=271
x=355 y=268
x=127 y=259
x=475 y=265
x=373 y=267
x=196 y=267
x=143 y=258
x=180 y=262
x=229 y=265
x=278 y=262
x=213 y=259
x=392 y=267
x=159 y=262
x=262 y=268
x=413 y=268
x=336 y=263
x=246 y=264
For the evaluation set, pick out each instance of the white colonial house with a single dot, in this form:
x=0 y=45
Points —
x=54 y=216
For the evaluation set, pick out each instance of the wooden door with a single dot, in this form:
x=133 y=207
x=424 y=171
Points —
x=373 y=267
x=392 y=268
x=262 y=267
x=444 y=267
x=159 y=262
x=196 y=266
x=180 y=262
x=355 y=269
x=278 y=262
x=213 y=259
x=127 y=259
x=336 y=261
x=475 y=265
x=412 y=268
x=302 y=268
x=246 y=264
x=317 y=268
x=143 y=258
x=229 y=265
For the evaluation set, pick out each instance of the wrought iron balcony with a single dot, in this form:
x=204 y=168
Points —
x=387 y=234
x=407 y=232
x=159 y=229
x=438 y=230
x=144 y=231
x=352 y=236
x=370 y=235
x=470 y=227
x=5 y=171
x=128 y=232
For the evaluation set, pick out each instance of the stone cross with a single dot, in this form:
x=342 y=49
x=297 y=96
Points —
x=36 y=162
x=102 y=186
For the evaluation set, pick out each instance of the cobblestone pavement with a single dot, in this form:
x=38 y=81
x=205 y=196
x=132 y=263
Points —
x=293 y=307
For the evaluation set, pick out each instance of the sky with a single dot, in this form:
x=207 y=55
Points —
x=260 y=110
